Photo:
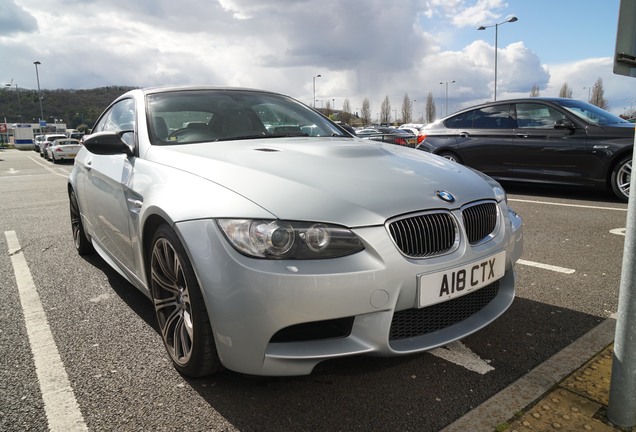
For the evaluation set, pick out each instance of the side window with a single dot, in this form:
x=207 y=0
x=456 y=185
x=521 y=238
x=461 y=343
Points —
x=460 y=121
x=537 y=116
x=496 y=117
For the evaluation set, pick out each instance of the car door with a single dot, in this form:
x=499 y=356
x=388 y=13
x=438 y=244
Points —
x=106 y=186
x=485 y=139
x=546 y=151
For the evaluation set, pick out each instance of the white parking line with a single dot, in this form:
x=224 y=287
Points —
x=618 y=231
x=568 y=205
x=61 y=408
x=53 y=171
x=546 y=266
x=458 y=353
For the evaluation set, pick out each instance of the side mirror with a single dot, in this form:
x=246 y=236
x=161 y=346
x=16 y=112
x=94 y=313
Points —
x=564 y=124
x=108 y=143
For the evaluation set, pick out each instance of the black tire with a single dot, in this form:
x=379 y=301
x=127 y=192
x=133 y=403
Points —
x=179 y=307
x=53 y=158
x=450 y=156
x=621 y=178
x=82 y=244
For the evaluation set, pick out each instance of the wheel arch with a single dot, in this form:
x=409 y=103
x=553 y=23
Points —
x=150 y=226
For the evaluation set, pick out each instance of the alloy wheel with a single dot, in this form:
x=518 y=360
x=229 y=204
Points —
x=171 y=298
x=623 y=178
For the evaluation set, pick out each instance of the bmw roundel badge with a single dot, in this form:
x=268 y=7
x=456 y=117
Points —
x=445 y=196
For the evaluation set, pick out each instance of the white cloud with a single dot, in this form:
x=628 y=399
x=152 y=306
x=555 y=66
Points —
x=362 y=49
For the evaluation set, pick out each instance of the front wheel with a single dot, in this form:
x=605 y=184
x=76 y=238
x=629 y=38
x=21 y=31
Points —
x=181 y=313
x=621 y=178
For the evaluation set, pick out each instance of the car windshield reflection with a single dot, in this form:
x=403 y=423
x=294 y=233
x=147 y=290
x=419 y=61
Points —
x=205 y=116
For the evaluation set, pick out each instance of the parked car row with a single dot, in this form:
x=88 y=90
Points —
x=56 y=147
x=394 y=251
x=390 y=135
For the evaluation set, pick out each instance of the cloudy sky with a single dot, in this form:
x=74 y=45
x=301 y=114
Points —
x=361 y=48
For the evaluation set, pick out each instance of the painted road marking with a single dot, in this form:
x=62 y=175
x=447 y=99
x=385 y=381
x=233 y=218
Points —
x=568 y=205
x=619 y=231
x=546 y=266
x=61 y=407
x=461 y=355
x=59 y=171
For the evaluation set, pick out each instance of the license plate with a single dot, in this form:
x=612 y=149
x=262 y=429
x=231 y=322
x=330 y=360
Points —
x=437 y=287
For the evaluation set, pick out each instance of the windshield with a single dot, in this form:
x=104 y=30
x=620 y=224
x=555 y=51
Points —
x=192 y=116
x=590 y=113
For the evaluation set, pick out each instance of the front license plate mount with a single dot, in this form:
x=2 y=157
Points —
x=440 y=286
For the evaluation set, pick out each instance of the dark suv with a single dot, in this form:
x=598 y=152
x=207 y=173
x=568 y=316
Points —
x=541 y=140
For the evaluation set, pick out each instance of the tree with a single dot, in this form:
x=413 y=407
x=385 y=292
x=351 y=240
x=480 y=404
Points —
x=385 y=110
x=566 y=91
x=598 y=95
x=345 y=116
x=366 y=112
x=407 y=109
x=327 y=110
x=430 y=108
x=535 y=91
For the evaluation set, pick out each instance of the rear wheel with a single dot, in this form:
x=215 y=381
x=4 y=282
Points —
x=181 y=313
x=621 y=178
x=450 y=156
x=82 y=244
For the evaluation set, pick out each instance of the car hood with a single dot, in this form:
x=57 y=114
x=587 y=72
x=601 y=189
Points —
x=346 y=181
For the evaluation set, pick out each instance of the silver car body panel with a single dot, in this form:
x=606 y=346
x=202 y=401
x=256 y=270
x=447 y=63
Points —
x=307 y=179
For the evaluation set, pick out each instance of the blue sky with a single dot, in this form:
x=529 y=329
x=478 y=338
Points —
x=361 y=48
x=558 y=31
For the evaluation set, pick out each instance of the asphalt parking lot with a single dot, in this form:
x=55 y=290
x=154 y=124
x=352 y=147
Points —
x=119 y=377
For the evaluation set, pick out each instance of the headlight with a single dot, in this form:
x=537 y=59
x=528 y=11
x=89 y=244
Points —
x=277 y=239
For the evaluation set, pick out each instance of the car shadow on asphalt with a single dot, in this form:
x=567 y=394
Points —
x=134 y=299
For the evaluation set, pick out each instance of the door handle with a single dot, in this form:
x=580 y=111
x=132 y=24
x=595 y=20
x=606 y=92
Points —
x=464 y=134
x=88 y=165
x=521 y=135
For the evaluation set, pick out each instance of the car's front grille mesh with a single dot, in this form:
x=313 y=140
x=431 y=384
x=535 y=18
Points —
x=436 y=233
x=417 y=322
x=479 y=221
x=424 y=235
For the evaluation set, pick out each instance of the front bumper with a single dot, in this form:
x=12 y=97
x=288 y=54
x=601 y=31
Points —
x=275 y=317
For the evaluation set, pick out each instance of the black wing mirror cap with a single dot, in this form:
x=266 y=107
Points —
x=107 y=143
x=564 y=124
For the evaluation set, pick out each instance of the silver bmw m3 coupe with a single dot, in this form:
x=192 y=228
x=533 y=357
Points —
x=270 y=239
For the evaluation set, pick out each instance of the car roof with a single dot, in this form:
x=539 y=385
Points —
x=554 y=100
x=165 y=89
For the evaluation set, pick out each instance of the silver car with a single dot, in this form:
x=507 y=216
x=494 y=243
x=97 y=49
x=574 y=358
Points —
x=62 y=149
x=269 y=239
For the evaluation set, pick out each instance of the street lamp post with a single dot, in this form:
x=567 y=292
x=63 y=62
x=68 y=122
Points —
x=317 y=76
x=447 y=83
x=17 y=92
x=496 y=26
x=37 y=76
